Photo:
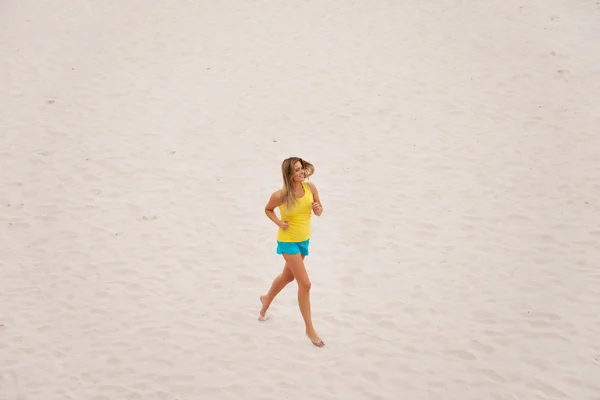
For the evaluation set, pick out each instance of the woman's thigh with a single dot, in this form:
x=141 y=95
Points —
x=295 y=263
x=287 y=272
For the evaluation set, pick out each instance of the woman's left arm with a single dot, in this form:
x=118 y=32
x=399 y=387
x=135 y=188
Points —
x=316 y=205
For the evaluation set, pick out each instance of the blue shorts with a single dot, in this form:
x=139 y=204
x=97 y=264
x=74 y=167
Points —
x=293 y=247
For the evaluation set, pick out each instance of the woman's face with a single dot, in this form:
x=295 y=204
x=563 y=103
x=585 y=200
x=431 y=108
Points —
x=298 y=172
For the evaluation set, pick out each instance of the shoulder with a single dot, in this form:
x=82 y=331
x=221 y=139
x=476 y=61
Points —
x=275 y=200
x=277 y=195
x=312 y=186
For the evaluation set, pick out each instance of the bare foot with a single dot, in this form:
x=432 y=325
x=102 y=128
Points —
x=314 y=338
x=262 y=316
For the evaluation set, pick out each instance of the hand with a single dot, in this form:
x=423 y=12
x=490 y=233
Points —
x=316 y=207
x=284 y=225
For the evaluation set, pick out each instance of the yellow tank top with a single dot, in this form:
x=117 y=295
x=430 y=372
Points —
x=298 y=217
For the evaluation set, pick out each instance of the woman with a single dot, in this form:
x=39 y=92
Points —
x=296 y=201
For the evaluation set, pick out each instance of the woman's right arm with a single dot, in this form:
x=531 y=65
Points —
x=275 y=201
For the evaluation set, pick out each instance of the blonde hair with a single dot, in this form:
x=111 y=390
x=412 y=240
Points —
x=287 y=172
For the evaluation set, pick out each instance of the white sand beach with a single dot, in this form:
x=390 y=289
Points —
x=457 y=155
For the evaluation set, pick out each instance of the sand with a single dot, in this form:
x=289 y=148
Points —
x=457 y=154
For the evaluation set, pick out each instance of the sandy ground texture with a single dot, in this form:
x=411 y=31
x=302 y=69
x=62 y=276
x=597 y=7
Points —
x=457 y=154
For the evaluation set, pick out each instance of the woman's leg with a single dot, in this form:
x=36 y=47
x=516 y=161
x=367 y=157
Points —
x=295 y=263
x=278 y=284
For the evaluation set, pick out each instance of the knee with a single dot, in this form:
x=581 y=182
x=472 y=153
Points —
x=288 y=278
x=304 y=285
